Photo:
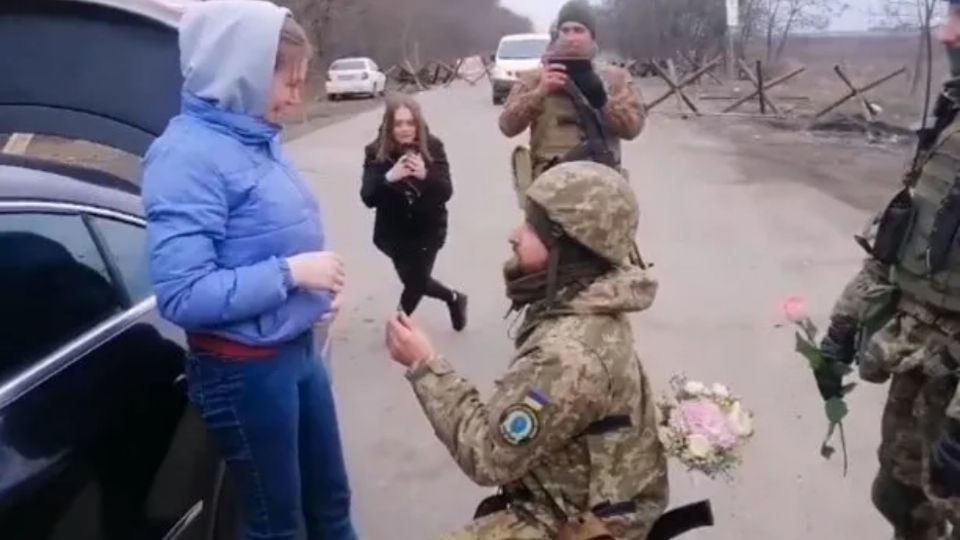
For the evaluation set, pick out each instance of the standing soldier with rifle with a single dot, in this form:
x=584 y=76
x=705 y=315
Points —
x=575 y=109
x=899 y=318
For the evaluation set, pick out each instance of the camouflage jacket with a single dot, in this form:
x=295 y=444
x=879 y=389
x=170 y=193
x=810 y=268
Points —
x=574 y=367
x=624 y=113
x=898 y=334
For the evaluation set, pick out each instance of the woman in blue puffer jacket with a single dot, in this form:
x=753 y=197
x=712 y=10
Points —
x=237 y=258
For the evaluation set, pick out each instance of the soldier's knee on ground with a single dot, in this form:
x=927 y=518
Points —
x=503 y=525
x=906 y=508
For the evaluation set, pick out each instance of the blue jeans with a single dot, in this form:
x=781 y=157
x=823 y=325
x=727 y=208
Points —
x=275 y=424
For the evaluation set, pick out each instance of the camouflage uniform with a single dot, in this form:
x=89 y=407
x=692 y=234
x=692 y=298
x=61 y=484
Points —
x=571 y=425
x=899 y=318
x=553 y=121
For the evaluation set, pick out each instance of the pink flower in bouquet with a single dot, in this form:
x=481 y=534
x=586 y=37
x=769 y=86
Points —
x=706 y=418
x=795 y=309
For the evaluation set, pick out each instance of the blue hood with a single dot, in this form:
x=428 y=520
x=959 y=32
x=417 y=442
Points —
x=211 y=35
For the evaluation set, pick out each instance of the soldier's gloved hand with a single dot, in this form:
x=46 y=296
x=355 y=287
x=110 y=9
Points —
x=945 y=462
x=839 y=343
x=829 y=381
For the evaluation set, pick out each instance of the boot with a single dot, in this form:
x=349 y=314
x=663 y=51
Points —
x=458 y=311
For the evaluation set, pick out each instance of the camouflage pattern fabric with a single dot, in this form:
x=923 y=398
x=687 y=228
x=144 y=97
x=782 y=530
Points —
x=854 y=300
x=624 y=115
x=506 y=525
x=916 y=344
x=593 y=205
x=521 y=165
x=914 y=347
x=911 y=424
x=575 y=366
x=929 y=267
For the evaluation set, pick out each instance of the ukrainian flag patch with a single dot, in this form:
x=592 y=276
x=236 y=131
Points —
x=535 y=399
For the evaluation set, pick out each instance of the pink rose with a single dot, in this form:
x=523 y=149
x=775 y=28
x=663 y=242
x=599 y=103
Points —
x=705 y=418
x=795 y=309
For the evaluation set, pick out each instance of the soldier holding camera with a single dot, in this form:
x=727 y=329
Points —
x=574 y=108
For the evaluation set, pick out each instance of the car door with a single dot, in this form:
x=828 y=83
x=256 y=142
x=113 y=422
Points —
x=89 y=396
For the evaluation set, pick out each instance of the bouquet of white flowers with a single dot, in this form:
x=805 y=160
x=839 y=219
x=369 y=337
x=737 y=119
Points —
x=704 y=426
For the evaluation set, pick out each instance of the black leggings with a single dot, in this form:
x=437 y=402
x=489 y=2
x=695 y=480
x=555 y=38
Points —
x=414 y=266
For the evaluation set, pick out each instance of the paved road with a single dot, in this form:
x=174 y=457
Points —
x=726 y=249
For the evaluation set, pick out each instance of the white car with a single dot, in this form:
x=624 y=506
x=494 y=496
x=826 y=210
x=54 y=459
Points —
x=516 y=53
x=355 y=76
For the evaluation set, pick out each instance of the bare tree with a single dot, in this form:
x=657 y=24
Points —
x=781 y=18
x=914 y=15
x=662 y=28
x=314 y=15
x=394 y=31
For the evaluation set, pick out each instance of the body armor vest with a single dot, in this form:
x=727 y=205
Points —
x=557 y=131
x=929 y=260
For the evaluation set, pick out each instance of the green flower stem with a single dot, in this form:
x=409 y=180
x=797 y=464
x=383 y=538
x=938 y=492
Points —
x=836 y=408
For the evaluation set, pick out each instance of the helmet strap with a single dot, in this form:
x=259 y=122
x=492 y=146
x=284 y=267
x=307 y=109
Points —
x=553 y=271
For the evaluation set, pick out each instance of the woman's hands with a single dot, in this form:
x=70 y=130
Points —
x=409 y=165
x=318 y=270
x=416 y=166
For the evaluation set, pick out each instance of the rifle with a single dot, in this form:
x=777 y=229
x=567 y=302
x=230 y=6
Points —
x=594 y=148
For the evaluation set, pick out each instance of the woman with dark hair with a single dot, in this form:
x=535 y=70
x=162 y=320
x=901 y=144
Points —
x=406 y=177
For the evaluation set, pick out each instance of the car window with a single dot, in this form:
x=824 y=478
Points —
x=53 y=283
x=522 y=49
x=347 y=65
x=67 y=230
x=126 y=244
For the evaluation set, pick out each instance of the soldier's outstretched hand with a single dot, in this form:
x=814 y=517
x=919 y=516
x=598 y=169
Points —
x=407 y=343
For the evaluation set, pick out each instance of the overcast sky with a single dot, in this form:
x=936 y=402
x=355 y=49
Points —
x=543 y=12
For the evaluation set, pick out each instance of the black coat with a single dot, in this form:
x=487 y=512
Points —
x=411 y=213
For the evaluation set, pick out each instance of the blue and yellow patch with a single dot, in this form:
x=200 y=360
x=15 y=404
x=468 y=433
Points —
x=535 y=399
x=520 y=423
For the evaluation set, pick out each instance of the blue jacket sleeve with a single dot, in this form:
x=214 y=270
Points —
x=186 y=206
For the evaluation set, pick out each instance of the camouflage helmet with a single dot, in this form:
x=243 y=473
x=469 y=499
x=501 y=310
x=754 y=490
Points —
x=593 y=204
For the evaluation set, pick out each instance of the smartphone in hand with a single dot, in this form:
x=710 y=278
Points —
x=575 y=65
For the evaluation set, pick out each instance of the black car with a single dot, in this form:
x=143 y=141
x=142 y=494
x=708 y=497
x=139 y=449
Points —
x=97 y=438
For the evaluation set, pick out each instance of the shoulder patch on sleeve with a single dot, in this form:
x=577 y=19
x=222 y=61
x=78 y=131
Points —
x=519 y=424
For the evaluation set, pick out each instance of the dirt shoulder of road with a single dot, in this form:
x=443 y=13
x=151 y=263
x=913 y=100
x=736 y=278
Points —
x=321 y=113
x=857 y=162
x=853 y=167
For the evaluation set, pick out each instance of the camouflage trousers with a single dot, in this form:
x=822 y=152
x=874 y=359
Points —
x=912 y=421
x=504 y=525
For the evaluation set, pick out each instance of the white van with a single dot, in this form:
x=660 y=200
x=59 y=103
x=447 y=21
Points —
x=516 y=53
